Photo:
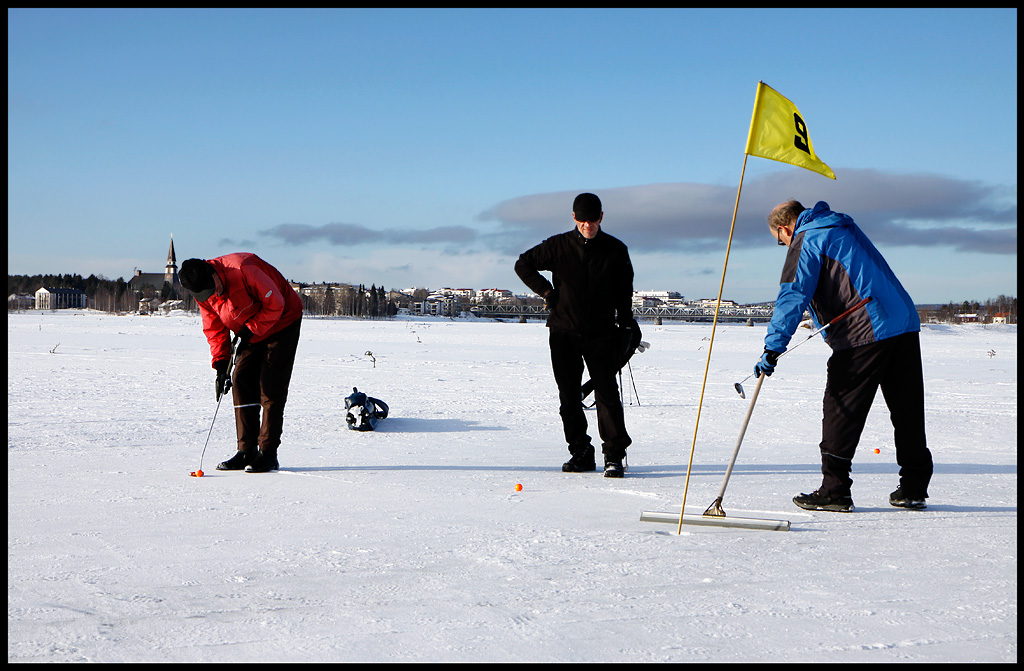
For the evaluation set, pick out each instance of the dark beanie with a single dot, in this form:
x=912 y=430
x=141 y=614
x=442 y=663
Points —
x=196 y=275
x=586 y=207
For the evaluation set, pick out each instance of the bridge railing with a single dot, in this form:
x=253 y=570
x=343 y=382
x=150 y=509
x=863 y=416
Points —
x=689 y=313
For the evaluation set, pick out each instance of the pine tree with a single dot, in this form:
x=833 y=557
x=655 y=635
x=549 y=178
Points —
x=329 y=302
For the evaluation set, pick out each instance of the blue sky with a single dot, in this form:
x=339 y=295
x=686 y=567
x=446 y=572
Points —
x=428 y=148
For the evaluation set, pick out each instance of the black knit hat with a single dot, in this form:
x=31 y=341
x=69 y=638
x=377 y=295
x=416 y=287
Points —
x=586 y=207
x=196 y=275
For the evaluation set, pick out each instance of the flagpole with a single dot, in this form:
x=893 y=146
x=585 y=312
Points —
x=783 y=114
x=714 y=323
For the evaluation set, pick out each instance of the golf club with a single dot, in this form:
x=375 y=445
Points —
x=843 y=315
x=227 y=387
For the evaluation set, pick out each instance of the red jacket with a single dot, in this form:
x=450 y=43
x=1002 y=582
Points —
x=255 y=295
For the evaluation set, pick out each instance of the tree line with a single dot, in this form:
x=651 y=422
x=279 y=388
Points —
x=988 y=308
x=103 y=294
x=357 y=301
x=116 y=296
x=346 y=300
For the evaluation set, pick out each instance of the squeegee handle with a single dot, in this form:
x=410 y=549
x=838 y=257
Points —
x=838 y=318
x=739 y=441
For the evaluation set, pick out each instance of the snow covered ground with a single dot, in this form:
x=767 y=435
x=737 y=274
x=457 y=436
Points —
x=410 y=543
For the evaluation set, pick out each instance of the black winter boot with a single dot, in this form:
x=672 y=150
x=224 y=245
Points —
x=263 y=463
x=613 y=468
x=903 y=499
x=819 y=500
x=582 y=461
x=241 y=459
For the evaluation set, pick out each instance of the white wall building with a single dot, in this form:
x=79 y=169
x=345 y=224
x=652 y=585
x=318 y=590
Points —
x=493 y=295
x=58 y=299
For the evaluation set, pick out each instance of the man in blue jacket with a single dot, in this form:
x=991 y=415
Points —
x=830 y=266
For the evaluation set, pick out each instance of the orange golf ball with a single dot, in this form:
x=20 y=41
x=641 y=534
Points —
x=519 y=487
x=877 y=450
x=199 y=473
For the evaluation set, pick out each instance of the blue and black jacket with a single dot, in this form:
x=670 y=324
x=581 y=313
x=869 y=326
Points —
x=831 y=265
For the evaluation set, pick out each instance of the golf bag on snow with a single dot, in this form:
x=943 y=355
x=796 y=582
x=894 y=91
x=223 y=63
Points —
x=631 y=340
x=363 y=413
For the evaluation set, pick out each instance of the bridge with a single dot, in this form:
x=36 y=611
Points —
x=727 y=313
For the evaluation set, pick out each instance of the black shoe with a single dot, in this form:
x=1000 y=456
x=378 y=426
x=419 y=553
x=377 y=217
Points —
x=264 y=463
x=817 y=500
x=241 y=459
x=581 y=462
x=613 y=468
x=901 y=499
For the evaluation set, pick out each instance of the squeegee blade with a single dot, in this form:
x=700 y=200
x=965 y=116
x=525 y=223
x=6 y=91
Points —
x=709 y=521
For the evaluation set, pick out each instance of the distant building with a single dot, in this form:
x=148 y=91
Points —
x=461 y=295
x=155 y=281
x=712 y=302
x=438 y=305
x=319 y=291
x=59 y=299
x=21 y=302
x=662 y=296
x=929 y=313
x=493 y=295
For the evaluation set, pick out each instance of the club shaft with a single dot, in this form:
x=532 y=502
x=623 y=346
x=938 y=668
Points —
x=839 y=317
x=231 y=365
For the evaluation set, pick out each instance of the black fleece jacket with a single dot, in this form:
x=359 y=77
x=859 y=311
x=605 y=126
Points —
x=592 y=281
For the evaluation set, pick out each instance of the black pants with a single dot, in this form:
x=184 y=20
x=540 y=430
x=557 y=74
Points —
x=569 y=351
x=894 y=365
x=262 y=373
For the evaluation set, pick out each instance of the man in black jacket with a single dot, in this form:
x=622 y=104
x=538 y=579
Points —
x=589 y=300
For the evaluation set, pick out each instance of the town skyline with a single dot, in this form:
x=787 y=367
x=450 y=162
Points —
x=1002 y=305
x=669 y=296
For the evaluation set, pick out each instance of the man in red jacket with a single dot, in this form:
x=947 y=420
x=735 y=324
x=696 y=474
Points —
x=245 y=294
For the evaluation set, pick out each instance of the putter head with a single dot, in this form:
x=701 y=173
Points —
x=739 y=390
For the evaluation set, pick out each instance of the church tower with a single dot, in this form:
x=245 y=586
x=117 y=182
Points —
x=171 y=270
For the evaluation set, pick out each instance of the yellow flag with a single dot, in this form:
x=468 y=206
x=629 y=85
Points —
x=778 y=132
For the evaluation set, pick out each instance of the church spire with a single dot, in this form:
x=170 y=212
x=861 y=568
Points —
x=171 y=270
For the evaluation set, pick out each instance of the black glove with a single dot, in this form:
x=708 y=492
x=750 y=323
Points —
x=635 y=336
x=766 y=365
x=629 y=337
x=551 y=299
x=223 y=379
x=244 y=335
